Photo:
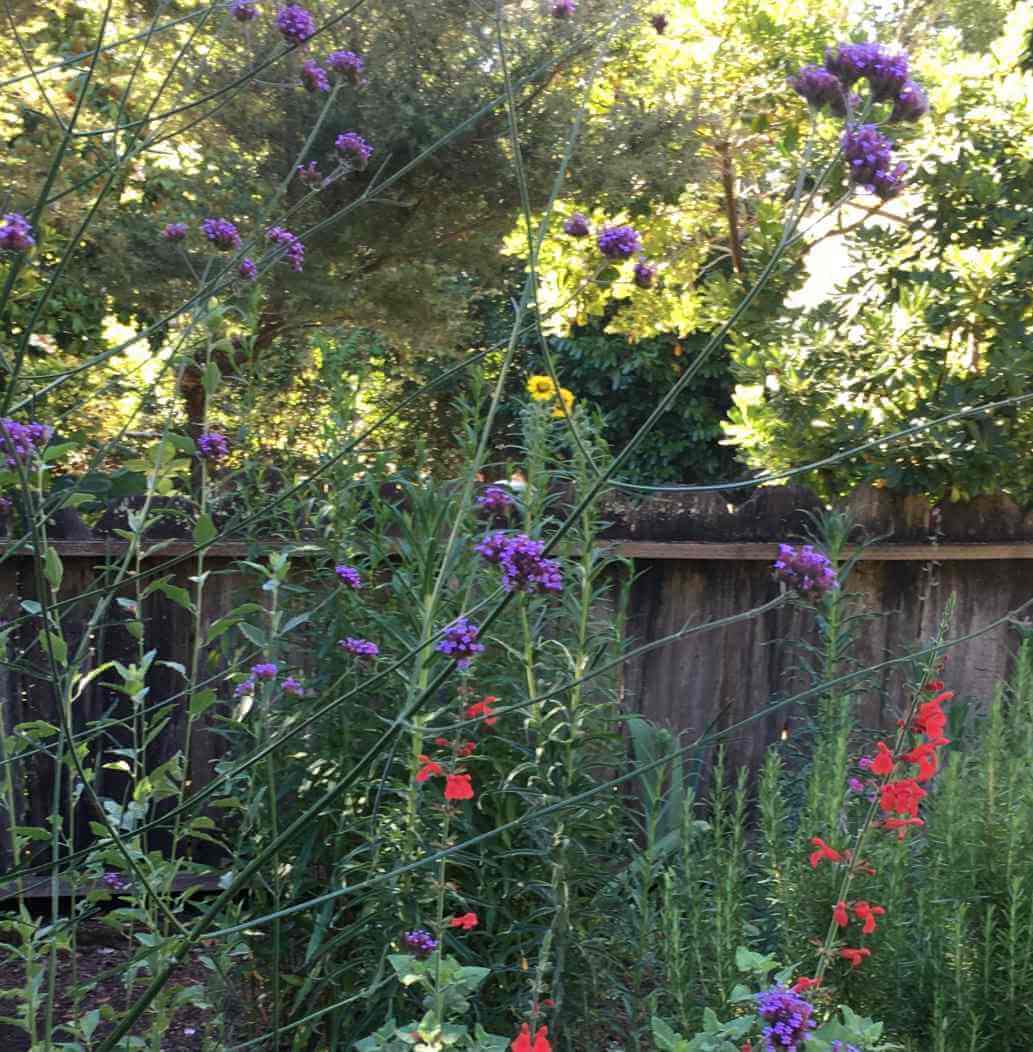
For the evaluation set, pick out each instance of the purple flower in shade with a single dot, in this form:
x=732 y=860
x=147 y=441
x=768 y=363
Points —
x=20 y=442
x=290 y=685
x=349 y=576
x=295 y=23
x=6 y=504
x=244 y=10
x=221 y=233
x=645 y=274
x=420 y=942
x=460 y=642
x=295 y=254
x=885 y=71
x=855 y=785
x=869 y=157
x=523 y=566
x=247 y=270
x=114 y=882
x=911 y=103
x=495 y=499
x=808 y=572
x=15 y=233
x=359 y=647
x=265 y=670
x=821 y=89
x=659 y=23
x=213 y=445
x=313 y=77
x=563 y=8
x=347 y=64
x=619 y=242
x=865 y=763
x=787 y=1017
x=245 y=689
x=577 y=225
x=354 y=146
x=174 y=231
x=309 y=173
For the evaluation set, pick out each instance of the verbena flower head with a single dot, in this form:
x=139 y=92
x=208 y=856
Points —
x=619 y=242
x=787 y=1017
x=563 y=8
x=245 y=689
x=290 y=685
x=885 y=71
x=659 y=23
x=808 y=572
x=213 y=445
x=309 y=173
x=495 y=499
x=524 y=567
x=247 y=270
x=911 y=103
x=174 y=231
x=15 y=233
x=820 y=88
x=347 y=64
x=460 y=642
x=349 y=576
x=265 y=670
x=313 y=77
x=221 y=233
x=645 y=274
x=359 y=647
x=114 y=882
x=295 y=254
x=869 y=158
x=420 y=942
x=577 y=225
x=295 y=23
x=244 y=10
x=19 y=443
x=354 y=147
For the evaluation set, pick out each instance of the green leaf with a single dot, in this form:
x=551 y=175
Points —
x=202 y=701
x=253 y=634
x=205 y=531
x=59 y=648
x=666 y=1039
x=30 y=606
x=31 y=832
x=210 y=378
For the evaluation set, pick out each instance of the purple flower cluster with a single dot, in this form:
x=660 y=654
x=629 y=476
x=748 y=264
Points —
x=808 y=572
x=911 y=104
x=309 y=173
x=495 y=499
x=114 y=882
x=175 y=231
x=823 y=89
x=359 y=647
x=347 y=64
x=313 y=77
x=295 y=23
x=244 y=10
x=221 y=233
x=15 y=233
x=659 y=23
x=645 y=274
x=420 y=942
x=354 y=146
x=295 y=254
x=869 y=157
x=524 y=567
x=293 y=686
x=577 y=225
x=788 y=1019
x=247 y=270
x=563 y=8
x=213 y=445
x=460 y=642
x=349 y=575
x=265 y=670
x=619 y=242
x=885 y=71
x=20 y=442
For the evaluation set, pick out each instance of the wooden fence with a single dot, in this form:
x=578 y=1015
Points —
x=695 y=558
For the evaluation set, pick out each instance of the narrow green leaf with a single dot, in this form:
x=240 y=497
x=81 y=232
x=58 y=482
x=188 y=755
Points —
x=205 y=531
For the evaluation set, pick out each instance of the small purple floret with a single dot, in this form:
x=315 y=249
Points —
x=869 y=158
x=460 y=642
x=524 y=568
x=221 y=233
x=244 y=10
x=619 y=242
x=359 y=647
x=265 y=670
x=295 y=23
x=114 y=882
x=19 y=443
x=349 y=575
x=788 y=1019
x=885 y=71
x=577 y=225
x=420 y=942
x=347 y=64
x=821 y=89
x=313 y=77
x=353 y=145
x=295 y=254
x=659 y=23
x=290 y=685
x=245 y=689
x=911 y=104
x=563 y=8
x=213 y=445
x=495 y=499
x=15 y=233
x=645 y=274
x=808 y=572
x=174 y=231
x=247 y=270
x=309 y=173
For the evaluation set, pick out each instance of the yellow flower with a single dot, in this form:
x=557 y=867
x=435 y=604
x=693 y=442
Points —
x=541 y=388
x=568 y=401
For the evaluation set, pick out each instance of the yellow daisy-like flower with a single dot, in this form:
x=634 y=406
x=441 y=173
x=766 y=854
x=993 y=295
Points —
x=568 y=401
x=541 y=388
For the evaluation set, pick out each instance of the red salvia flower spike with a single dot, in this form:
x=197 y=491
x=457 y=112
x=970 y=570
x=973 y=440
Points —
x=823 y=852
x=840 y=915
x=458 y=787
x=855 y=956
x=883 y=763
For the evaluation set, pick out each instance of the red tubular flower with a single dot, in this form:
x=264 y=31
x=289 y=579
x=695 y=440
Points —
x=901 y=825
x=466 y=921
x=466 y=749
x=522 y=1042
x=924 y=756
x=430 y=769
x=863 y=911
x=934 y=686
x=883 y=763
x=443 y=742
x=855 y=957
x=902 y=797
x=840 y=915
x=483 y=708
x=458 y=787
x=823 y=852
x=930 y=719
x=803 y=984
